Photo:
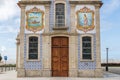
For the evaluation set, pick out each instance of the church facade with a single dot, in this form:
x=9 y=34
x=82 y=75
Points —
x=59 y=38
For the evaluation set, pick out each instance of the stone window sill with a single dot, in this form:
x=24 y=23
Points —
x=87 y=60
x=60 y=28
x=36 y=60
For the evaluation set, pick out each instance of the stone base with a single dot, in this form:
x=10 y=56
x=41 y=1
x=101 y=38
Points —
x=33 y=73
x=90 y=73
x=73 y=73
x=46 y=73
x=99 y=72
x=20 y=72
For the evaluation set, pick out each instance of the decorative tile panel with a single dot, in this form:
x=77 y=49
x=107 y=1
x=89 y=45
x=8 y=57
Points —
x=87 y=65
x=31 y=9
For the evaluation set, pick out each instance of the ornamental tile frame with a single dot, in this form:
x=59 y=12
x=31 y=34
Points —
x=37 y=24
x=85 y=26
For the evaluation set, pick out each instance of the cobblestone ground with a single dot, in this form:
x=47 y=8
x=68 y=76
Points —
x=11 y=75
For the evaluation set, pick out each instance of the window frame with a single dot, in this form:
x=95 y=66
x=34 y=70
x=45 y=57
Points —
x=60 y=2
x=27 y=45
x=57 y=19
x=33 y=46
x=81 y=48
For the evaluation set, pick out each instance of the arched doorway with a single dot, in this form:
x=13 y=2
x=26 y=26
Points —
x=60 y=56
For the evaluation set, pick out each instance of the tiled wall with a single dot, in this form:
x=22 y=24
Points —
x=35 y=65
x=32 y=65
x=51 y=21
x=68 y=14
x=87 y=65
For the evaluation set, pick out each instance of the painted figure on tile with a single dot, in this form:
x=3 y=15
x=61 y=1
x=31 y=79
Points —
x=85 y=20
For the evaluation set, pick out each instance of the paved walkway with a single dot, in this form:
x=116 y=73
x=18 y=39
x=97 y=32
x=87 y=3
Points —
x=11 y=75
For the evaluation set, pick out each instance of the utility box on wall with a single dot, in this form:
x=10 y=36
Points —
x=59 y=38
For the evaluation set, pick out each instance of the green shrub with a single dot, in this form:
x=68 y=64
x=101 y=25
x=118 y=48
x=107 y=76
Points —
x=8 y=65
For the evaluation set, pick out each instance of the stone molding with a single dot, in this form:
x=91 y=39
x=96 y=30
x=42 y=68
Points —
x=35 y=2
x=24 y=3
x=60 y=33
x=86 y=2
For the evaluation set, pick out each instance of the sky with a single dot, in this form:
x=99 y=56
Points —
x=110 y=28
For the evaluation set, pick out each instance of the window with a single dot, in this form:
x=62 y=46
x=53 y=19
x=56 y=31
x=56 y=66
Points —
x=33 y=48
x=86 y=48
x=60 y=15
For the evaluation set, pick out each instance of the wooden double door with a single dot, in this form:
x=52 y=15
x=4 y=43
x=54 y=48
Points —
x=60 y=56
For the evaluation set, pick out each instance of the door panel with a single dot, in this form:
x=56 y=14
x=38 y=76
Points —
x=64 y=52
x=56 y=61
x=56 y=42
x=64 y=42
x=60 y=58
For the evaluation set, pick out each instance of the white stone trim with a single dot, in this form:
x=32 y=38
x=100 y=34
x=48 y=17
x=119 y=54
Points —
x=92 y=46
x=27 y=46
